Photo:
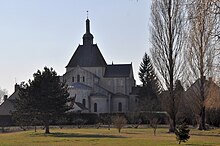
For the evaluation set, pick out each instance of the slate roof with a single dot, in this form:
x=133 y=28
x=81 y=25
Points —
x=120 y=95
x=78 y=85
x=118 y=70
x=87 y=56
x=80 y=105
x=7 y=106
x=99 y=95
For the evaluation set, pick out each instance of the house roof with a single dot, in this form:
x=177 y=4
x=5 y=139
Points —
x=118 y=70
x=212 y=93
x=7 y=106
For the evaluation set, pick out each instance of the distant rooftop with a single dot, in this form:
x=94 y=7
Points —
x=118 y=70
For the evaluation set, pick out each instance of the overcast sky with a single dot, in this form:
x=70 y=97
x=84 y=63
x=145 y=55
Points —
x=38 y=33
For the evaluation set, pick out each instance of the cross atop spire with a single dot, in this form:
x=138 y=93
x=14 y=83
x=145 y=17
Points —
x=87 y=13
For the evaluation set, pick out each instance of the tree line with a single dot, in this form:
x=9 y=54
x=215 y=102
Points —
x=185 y=44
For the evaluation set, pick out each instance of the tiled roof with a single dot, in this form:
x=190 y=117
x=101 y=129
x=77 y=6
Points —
x=118 y=70
x=87 y=56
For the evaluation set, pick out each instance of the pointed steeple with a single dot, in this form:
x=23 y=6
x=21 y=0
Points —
x=87 y=37
x=88 y=54
x=87 y=26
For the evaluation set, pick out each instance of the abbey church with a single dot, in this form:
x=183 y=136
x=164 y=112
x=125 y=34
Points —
x=96 y=86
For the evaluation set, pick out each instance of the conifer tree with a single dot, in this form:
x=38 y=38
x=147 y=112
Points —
x=182 y=133
x=43 y=99
x=151 y=86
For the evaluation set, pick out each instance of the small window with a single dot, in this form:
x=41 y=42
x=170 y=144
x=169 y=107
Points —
x=120 y=107
x=78 y=78
x=83 y=79
x=73 y=80
x=84 y=102
x=121 y=83
x=136 y=100
x=95 y=107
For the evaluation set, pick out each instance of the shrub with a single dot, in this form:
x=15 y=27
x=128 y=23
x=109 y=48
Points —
x=182 y=133
x=119 y=122
x=88 y=118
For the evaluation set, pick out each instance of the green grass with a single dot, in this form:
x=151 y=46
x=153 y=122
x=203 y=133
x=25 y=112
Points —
x=105 y=137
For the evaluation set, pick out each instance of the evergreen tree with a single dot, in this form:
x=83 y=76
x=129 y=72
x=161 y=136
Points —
x=182 y=133
x=43 y=99
x=151 y=86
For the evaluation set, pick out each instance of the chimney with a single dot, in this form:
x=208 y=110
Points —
x=16 y=87
x=5 y=97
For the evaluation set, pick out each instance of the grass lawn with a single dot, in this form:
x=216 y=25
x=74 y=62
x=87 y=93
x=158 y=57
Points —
x=105 y=137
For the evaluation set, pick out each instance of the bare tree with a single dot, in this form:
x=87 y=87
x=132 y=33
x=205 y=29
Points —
x=216 y=11
x=119 y=122
x=167 y=38
x=202 y=52
x=3 y=92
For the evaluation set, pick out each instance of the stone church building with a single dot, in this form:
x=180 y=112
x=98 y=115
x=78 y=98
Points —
x=96 y=86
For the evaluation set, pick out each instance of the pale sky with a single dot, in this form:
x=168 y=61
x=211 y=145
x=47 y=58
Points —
x=38 y=33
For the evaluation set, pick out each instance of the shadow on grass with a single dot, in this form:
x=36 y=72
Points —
x=72 y=135
x=206 y=135
x=133 y=133
x=199 y=144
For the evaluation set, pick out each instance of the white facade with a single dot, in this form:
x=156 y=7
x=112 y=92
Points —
x=99 y=87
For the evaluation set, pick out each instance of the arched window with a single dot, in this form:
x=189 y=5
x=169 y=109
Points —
x=84 y=102
x=120 y=107
x=83 y=79
x=78 y=78
x=95 y=107
x=73 y=79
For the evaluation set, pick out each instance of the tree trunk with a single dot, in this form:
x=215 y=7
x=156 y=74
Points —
x=202 y=119
x=202 y=92
x=171 y=67
x=109 y=126
x=171 y=128
x=155 y=131
x=173 y=115
x=47 y=130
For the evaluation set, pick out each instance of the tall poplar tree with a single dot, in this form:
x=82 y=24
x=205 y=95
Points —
x=203 y=47
x=167 y=39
